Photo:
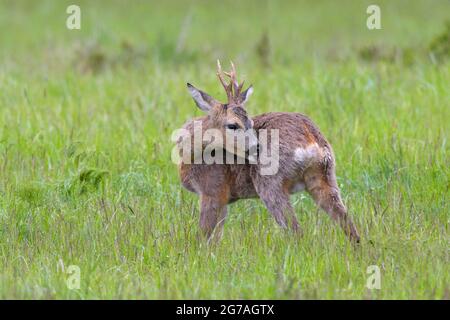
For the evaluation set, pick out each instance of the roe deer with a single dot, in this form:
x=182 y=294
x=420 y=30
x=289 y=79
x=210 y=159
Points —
x=306 y=162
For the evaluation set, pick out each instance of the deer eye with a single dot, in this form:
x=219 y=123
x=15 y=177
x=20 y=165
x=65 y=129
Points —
x=232 y=126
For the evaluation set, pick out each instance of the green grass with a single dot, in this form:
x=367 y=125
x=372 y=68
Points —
x=85 y=172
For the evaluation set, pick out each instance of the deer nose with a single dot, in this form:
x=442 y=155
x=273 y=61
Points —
x=254 y=150
x=258 y=148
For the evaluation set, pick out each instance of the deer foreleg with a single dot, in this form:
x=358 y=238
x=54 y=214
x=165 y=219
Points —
x=213 y=212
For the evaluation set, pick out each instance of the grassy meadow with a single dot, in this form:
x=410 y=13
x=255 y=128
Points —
x=86 y=177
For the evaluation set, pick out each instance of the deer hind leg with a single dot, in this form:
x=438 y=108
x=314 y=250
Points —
x=277 y=202
x=325 y=192
x=213 y=212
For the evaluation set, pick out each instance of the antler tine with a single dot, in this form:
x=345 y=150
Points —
x=240 y=87
x=226 y=86
x=234 y=76
x=219 y=74
x=233 y=79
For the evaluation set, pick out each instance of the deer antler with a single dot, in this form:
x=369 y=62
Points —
x=233 y=88
x=227 y=87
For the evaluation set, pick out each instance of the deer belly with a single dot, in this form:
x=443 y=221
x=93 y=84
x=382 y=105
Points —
x=297 y=187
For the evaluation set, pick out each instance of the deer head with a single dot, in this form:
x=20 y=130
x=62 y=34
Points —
x=230 y=118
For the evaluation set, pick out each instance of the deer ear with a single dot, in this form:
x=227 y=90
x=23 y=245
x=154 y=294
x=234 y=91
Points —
x=243 y=97
x=202 y=99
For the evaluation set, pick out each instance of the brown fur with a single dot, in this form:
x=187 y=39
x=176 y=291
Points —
x=221 y=184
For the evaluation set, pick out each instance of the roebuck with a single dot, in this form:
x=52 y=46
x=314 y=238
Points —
x=306 y=161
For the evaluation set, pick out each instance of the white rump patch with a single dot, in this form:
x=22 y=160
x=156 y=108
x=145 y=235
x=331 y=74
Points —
x=305 y=155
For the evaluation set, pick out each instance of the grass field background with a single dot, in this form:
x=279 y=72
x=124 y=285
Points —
x=86 y=119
